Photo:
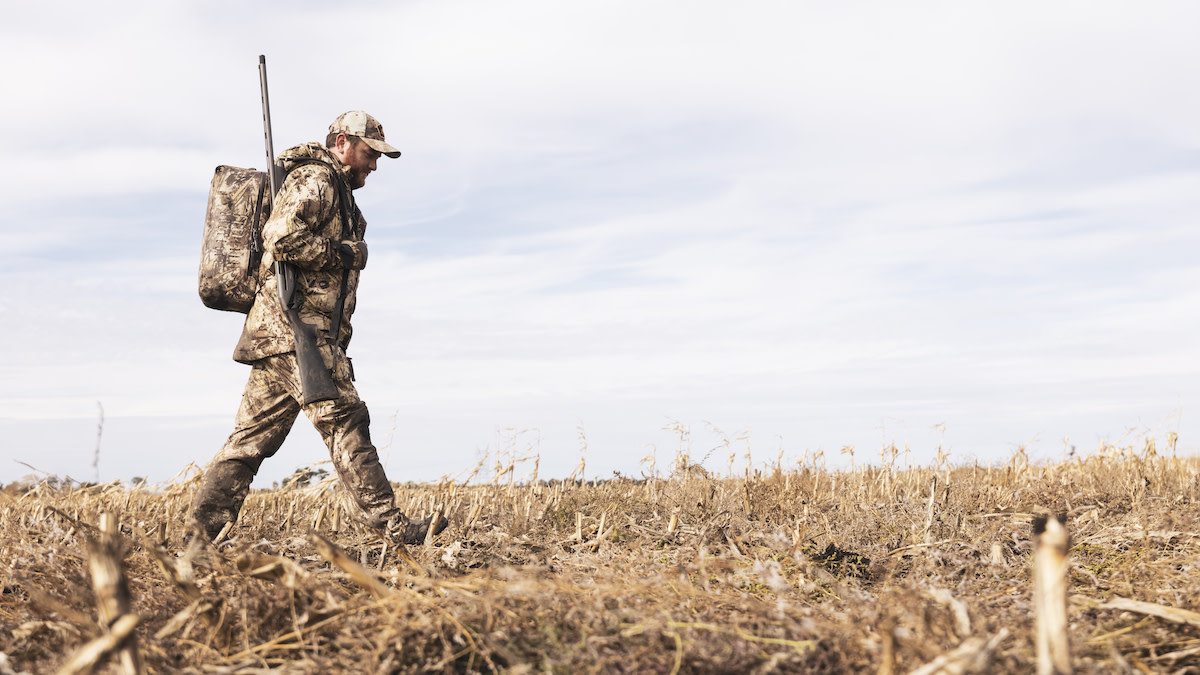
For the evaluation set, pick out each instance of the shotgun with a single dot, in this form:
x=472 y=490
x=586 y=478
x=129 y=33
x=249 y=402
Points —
x=315 y=380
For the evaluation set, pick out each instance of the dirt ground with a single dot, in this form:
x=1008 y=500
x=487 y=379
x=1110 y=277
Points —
x=783 y=569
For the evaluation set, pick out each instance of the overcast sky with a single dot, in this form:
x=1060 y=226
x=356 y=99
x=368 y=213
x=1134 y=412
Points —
x=786 y=227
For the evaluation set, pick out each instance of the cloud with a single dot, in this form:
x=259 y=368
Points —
x=834 y=224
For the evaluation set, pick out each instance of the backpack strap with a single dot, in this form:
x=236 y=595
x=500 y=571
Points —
x=335 y=326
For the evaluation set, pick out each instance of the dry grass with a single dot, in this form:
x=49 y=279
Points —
x=791 y=569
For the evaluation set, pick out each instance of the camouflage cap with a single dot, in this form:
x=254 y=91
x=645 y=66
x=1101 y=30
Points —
x=359 y=123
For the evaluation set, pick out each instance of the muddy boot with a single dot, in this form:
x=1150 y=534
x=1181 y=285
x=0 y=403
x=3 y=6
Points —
x=220 y=496
x=400 y=528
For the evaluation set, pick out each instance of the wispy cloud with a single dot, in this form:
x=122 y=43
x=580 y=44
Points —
x=831 y=224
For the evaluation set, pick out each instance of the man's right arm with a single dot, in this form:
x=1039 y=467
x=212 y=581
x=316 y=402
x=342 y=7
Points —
x=293 y=233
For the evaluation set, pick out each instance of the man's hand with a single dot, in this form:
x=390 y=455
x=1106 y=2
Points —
x=353 y=254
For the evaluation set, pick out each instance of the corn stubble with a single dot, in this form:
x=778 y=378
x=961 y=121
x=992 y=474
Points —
x=786 y=569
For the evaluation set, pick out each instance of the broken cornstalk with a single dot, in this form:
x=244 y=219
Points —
x=1050 y=564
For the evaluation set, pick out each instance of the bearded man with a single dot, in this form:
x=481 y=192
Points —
x=317 y=229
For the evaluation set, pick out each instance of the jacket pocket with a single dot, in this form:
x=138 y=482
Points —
x=320 y=293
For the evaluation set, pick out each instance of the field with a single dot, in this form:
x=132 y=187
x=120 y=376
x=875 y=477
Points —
x=782 y=568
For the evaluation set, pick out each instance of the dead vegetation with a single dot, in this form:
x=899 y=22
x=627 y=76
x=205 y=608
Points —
x=788 y=569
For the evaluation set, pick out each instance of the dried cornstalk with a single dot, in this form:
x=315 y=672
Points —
x=476 y=510
x=433 y=521
x=361 y=575
x=47 y=602
x=974 y=655
x=223 y=533
x=179 y=570
x=201 y=608
x=1172 y=614
x=85 y=659
x=105 y=562
x=275 y=568
x=1050 y=563
x=929 y=511
x=887 y=657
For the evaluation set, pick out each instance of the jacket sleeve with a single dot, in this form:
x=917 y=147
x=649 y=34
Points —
x=297 y=230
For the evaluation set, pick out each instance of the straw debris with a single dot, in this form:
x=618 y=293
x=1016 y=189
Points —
x=790 y=569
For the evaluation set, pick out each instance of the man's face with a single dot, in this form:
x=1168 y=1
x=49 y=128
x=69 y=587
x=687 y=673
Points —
x=359 y=157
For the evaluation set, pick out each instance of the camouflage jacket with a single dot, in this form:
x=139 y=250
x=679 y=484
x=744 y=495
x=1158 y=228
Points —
x=305 y=229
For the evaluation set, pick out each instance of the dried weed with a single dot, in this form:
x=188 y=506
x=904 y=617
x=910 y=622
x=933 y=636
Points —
x=794 y=569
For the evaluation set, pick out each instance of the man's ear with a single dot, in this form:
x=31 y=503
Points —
x=340 y=145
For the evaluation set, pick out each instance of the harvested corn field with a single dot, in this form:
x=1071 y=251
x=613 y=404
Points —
x=785 y=569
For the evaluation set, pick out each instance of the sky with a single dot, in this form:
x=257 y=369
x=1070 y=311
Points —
x=755 y=232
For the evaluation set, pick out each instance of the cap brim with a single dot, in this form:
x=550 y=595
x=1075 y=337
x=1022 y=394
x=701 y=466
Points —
x=382 y=147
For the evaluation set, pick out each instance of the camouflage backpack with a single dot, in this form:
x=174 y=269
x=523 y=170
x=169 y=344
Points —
x=238 y=207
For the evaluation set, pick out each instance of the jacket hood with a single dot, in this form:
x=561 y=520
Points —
x=308 y=151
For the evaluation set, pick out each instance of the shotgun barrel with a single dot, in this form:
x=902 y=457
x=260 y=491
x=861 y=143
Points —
x=315 y=379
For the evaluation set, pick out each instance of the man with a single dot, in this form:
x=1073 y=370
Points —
x=306 y=230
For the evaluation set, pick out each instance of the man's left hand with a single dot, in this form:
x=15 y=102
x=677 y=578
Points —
x=353 y=254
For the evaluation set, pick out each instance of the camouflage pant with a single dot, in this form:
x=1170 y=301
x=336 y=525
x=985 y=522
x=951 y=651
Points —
x=269 y=407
